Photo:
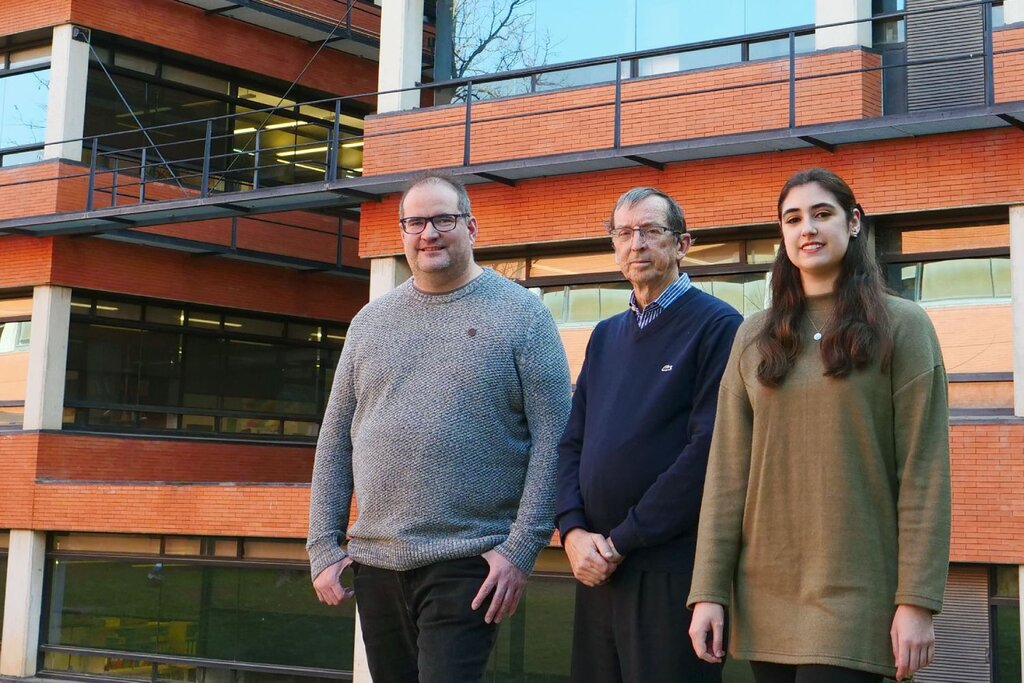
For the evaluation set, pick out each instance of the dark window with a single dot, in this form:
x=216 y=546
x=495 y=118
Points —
x=134 y=366
x=1005 y=603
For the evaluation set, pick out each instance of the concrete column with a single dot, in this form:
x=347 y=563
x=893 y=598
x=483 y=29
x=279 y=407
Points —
x=1013 y=13
x=360 y=667
x=65 y=108
x=1017 y=299
x=401 y=54
x=386 y=274
x=23 y=603
x=848 y=35
x=48 y=358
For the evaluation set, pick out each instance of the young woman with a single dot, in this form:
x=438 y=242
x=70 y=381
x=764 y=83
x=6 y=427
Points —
x=825 y=521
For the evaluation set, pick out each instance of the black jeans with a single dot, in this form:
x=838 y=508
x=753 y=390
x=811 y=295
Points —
x=768 y=672
x=418 y=626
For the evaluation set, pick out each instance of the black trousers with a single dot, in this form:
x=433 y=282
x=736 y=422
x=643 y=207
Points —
x=768 y=672
x=634 y=630
x=418 y=626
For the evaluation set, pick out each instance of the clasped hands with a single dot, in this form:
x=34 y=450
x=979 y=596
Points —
x=592 y=557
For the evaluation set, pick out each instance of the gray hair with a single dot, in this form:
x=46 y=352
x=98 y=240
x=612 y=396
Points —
x=438 y=179
x=673 y=212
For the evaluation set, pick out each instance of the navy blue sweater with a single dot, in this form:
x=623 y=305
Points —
x=634 y=453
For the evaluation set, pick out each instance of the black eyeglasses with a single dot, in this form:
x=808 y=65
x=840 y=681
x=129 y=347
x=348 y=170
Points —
x=442 y=222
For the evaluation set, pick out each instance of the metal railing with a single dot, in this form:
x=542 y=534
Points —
x=121 y=171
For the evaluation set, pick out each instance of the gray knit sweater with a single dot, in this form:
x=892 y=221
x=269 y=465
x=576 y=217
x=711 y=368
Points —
x=444 y=422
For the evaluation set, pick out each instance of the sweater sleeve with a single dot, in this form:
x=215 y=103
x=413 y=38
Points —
x=923 y=474
x=544 y=374
x=671 y=506
x=569 y=507
x=331 y=491
x=725 y=490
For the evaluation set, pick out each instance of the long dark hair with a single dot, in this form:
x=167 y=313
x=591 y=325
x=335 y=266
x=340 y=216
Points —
x=860 y=329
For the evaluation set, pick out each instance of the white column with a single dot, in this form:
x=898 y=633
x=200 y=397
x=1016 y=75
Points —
x=1017 y=299
x=360 y=667
x=23 y=603
x=848 y=35
x=65 y=108
x=401 y=54
x=1013 y=12
x=386 y=274
x=48 y=357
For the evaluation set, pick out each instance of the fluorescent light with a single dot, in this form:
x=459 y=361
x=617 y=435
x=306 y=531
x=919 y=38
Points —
x=305 y=166
x=352 y=145
x=306 y=150
x=101 y=307
x=273 y=126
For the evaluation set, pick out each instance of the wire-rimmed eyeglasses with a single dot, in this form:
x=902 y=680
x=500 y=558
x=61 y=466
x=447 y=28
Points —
x=647 y=233
x=442 y=222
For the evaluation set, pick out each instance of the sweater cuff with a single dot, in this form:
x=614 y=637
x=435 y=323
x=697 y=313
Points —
x=625 y=541
x=520 y=552
x=324 y=553
x=716 y=598
x=917 y=600
x=573 y=519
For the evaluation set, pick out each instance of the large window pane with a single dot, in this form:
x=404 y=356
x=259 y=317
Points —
x=250 y=614
x=745 y=292
x=952 y=280
x=23 y=99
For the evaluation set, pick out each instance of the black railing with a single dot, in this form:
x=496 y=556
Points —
x=186 y=166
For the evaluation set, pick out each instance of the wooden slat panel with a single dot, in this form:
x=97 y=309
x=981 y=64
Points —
x=962 y=630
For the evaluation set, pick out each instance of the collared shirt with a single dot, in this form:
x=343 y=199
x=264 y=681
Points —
x=654 y=309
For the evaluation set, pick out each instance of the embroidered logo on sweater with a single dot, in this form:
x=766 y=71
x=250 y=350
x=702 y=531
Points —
x=666 y=368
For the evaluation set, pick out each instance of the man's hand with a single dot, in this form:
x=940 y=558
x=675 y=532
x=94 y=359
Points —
x=591 y=556
x=708 y=617
x=913 y=639
x=507 y=581
x=327 y=583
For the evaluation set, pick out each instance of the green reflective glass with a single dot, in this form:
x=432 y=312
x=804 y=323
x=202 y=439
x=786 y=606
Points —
x=1006 y=627
x=536 y=643
x=250 y=614
x=746 y=292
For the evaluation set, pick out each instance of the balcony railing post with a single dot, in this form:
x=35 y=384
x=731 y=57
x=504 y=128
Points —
x=792 y=79
x=617 y=139
x=986 y=22
x=113 y=182
x=469 y=120
x=256 y=162
x=92 y=174
x=204 y=189
x=334 y=148
x=142 y=177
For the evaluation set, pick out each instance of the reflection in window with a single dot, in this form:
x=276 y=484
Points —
x=15 y=339
x=172 y=607
x=1006 y=622
x=23 y=103
x=575 y=304
x=952 y=280
x=3 y=584
x=240 y=375
x=746 y=292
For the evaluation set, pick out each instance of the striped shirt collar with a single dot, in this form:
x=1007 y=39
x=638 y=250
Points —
x=664 y=300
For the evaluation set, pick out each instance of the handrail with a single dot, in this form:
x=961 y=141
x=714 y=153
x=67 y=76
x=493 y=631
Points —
x=214 y=165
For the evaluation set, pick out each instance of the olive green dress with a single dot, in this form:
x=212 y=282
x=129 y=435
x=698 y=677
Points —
x=827 y=501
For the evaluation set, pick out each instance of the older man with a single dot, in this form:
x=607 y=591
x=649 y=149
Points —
x=448 y=401
x=633 y=456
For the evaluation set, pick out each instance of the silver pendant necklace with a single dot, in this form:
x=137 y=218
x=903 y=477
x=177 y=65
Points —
x=817 y=330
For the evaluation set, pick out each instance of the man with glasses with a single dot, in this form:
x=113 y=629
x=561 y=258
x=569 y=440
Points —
x=449 y=398
x=633 y=456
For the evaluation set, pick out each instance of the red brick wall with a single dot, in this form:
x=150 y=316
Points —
x=1008 y=69
x=95 y=458
x=32 y=189
x=17 y=477
x=26 y=261
x=988 y=493
x=538 y=127
x=187 y=29
x=941 y=171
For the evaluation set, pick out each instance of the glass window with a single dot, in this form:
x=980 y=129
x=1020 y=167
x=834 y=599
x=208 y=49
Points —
x=23 y=103
x=762 y=251
x=746 y=292
x=945 y=239
x=1006 y=622
x=3 y=583
x=33 y=56
x=712 y=254
x=951 y=280
x=512 y=268
x=172 y=607
x=15 y=339
x=545 y=266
